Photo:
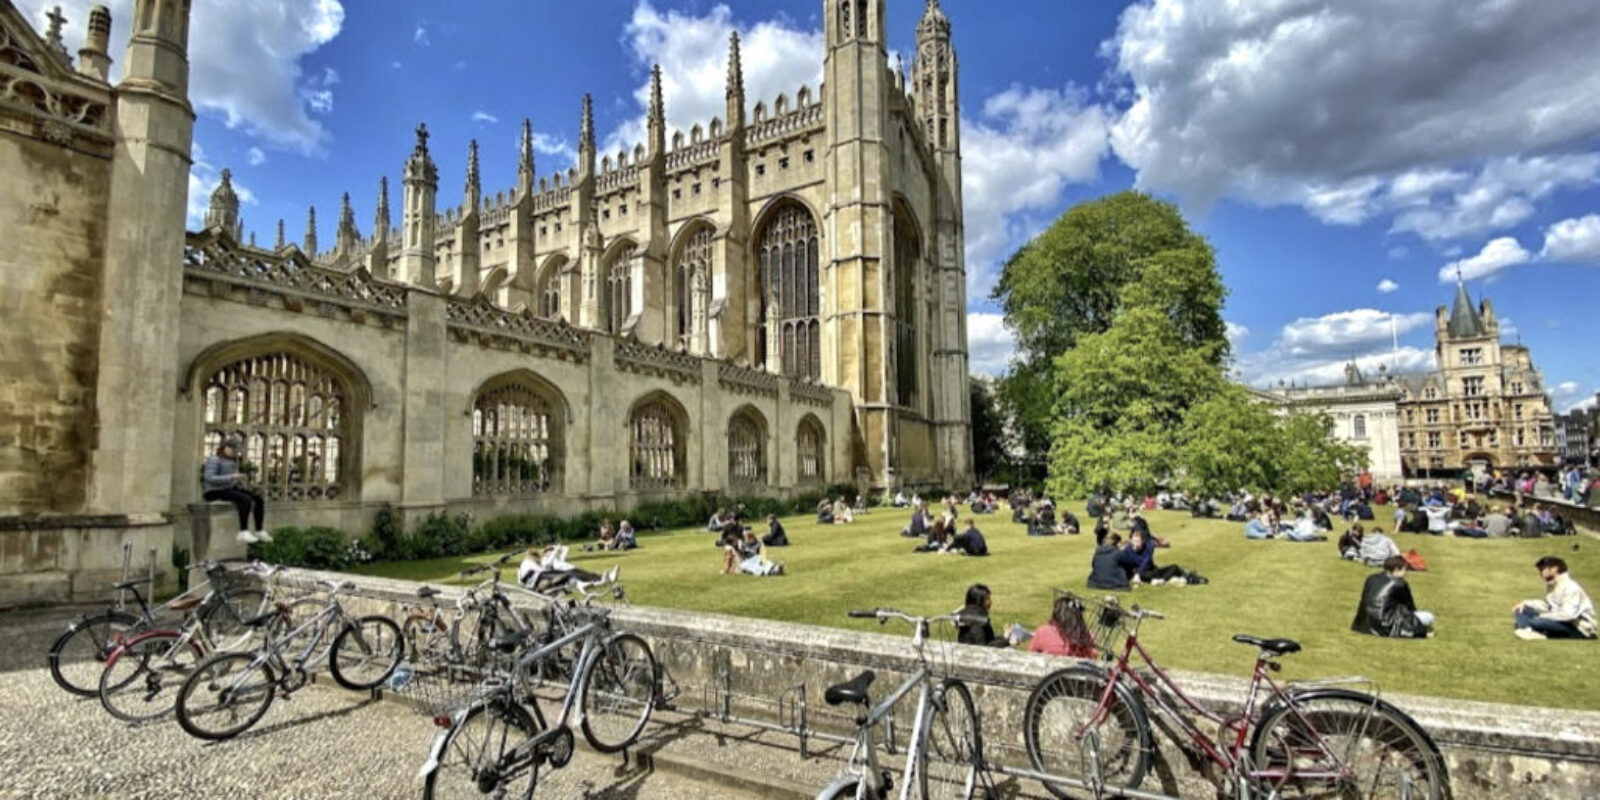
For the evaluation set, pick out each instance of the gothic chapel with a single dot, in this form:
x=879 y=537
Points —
x=769 y=302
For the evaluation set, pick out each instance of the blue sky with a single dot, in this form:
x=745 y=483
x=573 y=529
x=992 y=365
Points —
x=1343 y=158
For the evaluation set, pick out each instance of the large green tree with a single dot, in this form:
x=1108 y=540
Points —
x=989 y=444
x=1070 y=281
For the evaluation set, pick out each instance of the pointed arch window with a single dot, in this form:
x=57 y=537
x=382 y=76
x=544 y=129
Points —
x=618 y=296
x=293 y=418
x=656 y=447
x=907 y=251
x=690 y=268
x=787 y=258
x=808 y=447
x=516 y=433
x=550 y=290
x=747 y=457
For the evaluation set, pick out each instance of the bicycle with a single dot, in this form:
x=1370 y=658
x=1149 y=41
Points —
x=78 y=656
x=493 y=741
x=144 y=670
x=228 y=693
x=1301 y=739
x=945 y=754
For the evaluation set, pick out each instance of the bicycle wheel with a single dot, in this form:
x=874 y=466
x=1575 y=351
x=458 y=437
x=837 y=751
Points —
x=365 y=652
x=619 y=692
x=1345 y=744
x=142 y=678
x=225 y=615
x=78 y=656
x=428 y=642
x=473 y=747
x=225 y=696
x=1054 y=722
x=948 y=762
x=849 y=791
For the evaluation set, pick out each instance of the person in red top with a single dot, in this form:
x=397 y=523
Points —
x=1065 y=633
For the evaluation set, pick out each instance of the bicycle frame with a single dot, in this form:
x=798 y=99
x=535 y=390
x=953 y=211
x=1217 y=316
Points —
x=271 y=651
x=871 y=773
x=1230 y=756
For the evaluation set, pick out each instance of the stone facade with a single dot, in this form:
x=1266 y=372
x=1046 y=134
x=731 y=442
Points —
x=1365 y=413
x=756 y=305
x=1484 y=407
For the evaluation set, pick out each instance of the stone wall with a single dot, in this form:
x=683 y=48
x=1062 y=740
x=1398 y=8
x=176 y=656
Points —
x=74 y=559
x=1494 y=752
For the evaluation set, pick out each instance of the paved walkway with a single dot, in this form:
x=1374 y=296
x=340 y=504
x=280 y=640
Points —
x=324 y=743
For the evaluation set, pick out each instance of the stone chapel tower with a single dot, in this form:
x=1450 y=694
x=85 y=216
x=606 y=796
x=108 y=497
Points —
x=420 y=223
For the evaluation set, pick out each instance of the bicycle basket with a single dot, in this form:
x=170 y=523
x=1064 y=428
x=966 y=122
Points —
x=1105 y=622
x=434 y=690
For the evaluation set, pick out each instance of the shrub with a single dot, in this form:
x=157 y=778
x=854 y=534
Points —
x=316 y=547
x=439 y=535
x=385 y=535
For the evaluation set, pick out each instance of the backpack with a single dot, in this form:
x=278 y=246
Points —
x=1414 y=560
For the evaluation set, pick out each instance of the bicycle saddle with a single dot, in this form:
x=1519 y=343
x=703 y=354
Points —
x=851 y=691
x=427 y=591
x=1279 y=646
x=509 y=642
x=130 y=584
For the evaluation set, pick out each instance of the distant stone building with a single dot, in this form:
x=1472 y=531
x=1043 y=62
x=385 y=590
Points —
x=1365 y=413
x=767 y=303
x=1574 y=437
x=1483 y=408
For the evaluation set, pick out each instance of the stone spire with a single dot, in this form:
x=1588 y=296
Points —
x=658 y=113
x=735 y=84
x=525 y=160
x=473 y=190
x=934 y=22
x=52 y=36
x=310 y=246
x=586 y=137
x=223 y=212
x=348 y=238
x=1465 y=322
x=419 y=226
x=94 y=58
x=936 y=81
x=381 y=222
x=278 y=245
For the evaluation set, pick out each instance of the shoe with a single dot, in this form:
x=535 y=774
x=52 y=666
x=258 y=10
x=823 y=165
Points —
x=1529 y=634
x=263 y=536
x=246 y=537
x=1178 y=582
x=1196 y=579
x=1158 y=581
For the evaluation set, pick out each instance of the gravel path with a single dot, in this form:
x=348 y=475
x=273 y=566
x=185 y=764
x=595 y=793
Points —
x=322 y=743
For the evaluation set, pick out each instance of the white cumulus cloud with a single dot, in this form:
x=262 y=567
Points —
x=245 y=60
x=482 y=116
x=1495 y=256
x=1566 y=388
x=1454 y=116
x=1575 y=240
x=1235 y=332
x=990 y=344
x=1316 y=349
x=255 y=157
x=1386 y=286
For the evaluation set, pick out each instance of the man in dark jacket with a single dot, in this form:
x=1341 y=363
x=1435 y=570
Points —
x=1387 y=608
x=1105 y=569
x=776 y=536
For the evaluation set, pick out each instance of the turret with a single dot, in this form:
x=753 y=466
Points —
x=525 y=171
x=419 y=225
x=223 y=212
x=936 y=73
x=658 y=114
x=586 y=137
x=472 y=193
x=348 y=238
x=157 y=51
x=310 y=241
x=94 y=58
x=735 y=89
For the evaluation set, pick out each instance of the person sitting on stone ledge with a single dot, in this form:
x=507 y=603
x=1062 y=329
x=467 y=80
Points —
x=1065 y=633
x=974 y=626
x=842 y=513
x=547 y=569
x=1387 y=607
x=223 y=481
x=747 y=556
x=776 y=536
x=1565 y=612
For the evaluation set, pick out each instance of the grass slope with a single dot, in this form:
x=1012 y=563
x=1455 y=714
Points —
x=1276 y=588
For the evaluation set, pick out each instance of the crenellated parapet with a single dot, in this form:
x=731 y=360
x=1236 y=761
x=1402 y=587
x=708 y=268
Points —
x=784 y=123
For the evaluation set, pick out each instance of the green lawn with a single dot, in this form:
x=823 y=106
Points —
x=1274 y=588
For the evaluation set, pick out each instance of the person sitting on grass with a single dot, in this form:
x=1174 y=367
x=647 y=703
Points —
x=1065 y=633
x=1105 y=567
x=746 y=555
x=625 y=539
x=970 y=541
x=1259 y=527
x=1376 y=548
x=1068 y=524
x=900 y=499
x=1497 y=523
x=825 y=512
x=1350 y=542
x=841 y=512
x=1565 y=612
x=1470 y=528
x=974 y=627
x=1138 y=559
x=918 y=527
x=938 y=538
x=1387 y=607
x=860 y=506
x=603 y=538
x=1305 y=529
x=776 y=536
x=719 y=520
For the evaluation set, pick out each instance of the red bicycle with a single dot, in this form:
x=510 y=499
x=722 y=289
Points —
x=1297 y=740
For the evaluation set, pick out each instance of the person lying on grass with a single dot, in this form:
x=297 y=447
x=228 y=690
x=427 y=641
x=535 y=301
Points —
x=746 y=555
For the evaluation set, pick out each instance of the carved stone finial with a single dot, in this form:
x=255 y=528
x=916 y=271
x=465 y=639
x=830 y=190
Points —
x=278 y=245
x=586 y=124
x=420 y=166
x=472 y=167
x=525 y=148
x=657 y=107
x=735 y=68
x=311 y=232
x=52 y=36
x=422 y=138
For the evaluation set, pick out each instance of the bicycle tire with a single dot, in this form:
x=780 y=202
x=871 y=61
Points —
x=1064 y=700
x=849 y=791
x=375 y=648
x=619 y=693
x=505 y=726
x=1294 y=736
x=224 y=617
x=954 y=736
x=142 y=677
x=95 y=636
x=430 y=645
x=213 y=676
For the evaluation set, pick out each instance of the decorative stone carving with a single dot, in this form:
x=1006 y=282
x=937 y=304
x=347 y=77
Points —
x=644 y=359
x=493 y=324
x=289 y=276
x=743 y=380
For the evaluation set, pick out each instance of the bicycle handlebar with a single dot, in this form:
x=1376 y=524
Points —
x=1145 y=612
x=863 y=614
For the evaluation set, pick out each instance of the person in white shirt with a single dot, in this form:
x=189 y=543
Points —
x=1565 y=612
x=1438 y=518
